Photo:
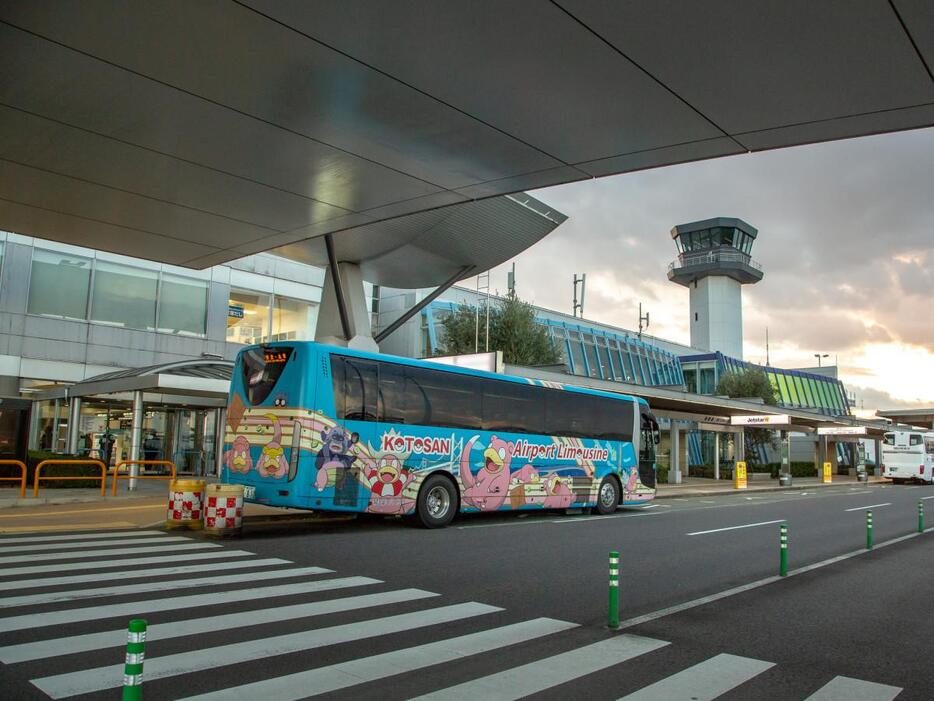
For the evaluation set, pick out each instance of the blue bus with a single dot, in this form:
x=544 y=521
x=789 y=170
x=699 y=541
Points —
x=318 y=427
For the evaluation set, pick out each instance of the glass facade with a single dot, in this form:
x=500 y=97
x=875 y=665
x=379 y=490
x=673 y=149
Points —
x=257 y=317
x=68 y=286
x=59 y=285
x=124 y=296
x=793 y=388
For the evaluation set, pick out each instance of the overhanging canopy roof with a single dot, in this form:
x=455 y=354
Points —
x=192 y=378
x=713 y=413
x=198 y=132
x=912 y=417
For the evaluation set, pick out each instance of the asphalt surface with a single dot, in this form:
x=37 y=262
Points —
x=867 y=617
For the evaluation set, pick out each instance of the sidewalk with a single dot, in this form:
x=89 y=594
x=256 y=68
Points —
x=701 y=486
x=85 y=509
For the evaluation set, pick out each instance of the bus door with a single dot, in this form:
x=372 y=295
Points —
x=358 y=420
x=648 y=439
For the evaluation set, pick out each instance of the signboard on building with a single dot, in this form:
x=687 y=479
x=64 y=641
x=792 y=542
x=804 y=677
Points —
x=761 y=420
x=491 y=362
x=841 y=431
x=234 y=311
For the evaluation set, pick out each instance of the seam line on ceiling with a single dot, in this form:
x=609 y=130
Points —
x=56 y=173
x=664 y=86
x=381 y=72
x=911 y=39
x=221 y=105
x=171 y=156
x=841 y=117
x=217 y=249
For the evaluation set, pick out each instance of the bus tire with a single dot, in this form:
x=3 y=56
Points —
x=608 y=495
x=437 y=502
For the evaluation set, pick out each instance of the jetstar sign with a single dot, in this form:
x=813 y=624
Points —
x=761 y=420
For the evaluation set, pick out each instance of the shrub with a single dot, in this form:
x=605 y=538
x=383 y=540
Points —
x=34 y=457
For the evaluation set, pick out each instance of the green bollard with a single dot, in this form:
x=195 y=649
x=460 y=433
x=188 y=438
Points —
x=133 y=668
x=920 y=516
x=614 y=590
x=868 y=530
x=783 y=557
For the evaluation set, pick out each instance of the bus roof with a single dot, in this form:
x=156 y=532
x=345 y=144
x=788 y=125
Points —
x=351 y=352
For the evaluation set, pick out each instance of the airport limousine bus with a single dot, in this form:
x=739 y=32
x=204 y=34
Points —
x=333 y=429
x=908 y=455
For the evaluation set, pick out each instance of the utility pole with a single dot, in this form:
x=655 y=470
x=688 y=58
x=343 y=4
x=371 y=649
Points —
x=767 y=346
x=582 y=280
x=642 y=319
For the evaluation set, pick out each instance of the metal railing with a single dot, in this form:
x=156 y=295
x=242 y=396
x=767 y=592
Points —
x=21 y=479
x=162 y=463
x=714 y=256
x=98 y=463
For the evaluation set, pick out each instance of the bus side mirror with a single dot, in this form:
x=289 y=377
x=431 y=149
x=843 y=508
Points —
x=657 y=436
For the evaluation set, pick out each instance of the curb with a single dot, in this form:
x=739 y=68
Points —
x=675 y=493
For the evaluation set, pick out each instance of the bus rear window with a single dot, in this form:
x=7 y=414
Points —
x=261 y=370
x=888 y=439
x=914 y=439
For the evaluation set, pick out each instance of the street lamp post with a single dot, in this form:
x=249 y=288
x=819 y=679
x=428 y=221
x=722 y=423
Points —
x=819 y=356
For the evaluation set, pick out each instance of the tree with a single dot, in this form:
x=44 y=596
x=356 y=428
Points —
x=751 y=383
x=513 y=330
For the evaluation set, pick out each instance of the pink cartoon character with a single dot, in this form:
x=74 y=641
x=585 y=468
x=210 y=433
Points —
x=526 y=488
x=238 y=458
x=559 y=493
x=632 y=483
x=387 y=479
x=272 y=461
x=488 y=489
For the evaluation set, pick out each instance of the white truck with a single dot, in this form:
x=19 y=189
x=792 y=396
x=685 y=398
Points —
x=908 y=455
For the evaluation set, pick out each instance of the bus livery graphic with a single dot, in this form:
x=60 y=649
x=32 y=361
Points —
x=363 y=432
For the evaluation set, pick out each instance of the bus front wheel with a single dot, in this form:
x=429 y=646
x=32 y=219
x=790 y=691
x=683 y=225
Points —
x=437 y=502
x=608 y=496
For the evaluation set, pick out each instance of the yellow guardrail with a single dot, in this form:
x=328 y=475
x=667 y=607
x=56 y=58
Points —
x=37 y=478
x=117 y=476
x=21 y=479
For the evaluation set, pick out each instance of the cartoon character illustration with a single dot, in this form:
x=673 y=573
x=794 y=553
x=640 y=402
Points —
x=632 y=483
x=281 y=400
x=272 y=461
x=488 y=489
x=559 y=493
x=387 y=478
x=335 y=453
x=526 y=488
x=238 y=458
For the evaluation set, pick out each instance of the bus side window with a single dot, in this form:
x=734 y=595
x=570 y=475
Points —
x=359 y=390
x=391 y=394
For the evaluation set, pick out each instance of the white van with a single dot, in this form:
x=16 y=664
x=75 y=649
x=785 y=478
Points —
x=908 y=455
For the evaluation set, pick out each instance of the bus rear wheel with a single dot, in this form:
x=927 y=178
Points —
x=608 y=496
x=437 y=502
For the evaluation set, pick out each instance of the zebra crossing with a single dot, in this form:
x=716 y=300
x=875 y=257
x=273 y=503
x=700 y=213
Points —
x=58 y=636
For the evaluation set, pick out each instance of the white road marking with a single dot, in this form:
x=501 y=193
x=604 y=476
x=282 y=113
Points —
x=923 y=498
x=91 y=544
x=704 y=681
x=221 y=580
x=849 y=689
x=733 y=528
x=528 y=679
x=132 y=574
x=650 y=506
x=389 y=664
x=687 y=605
x=871 y=506
x=128 y=562
x=93 y=613
x=54 y=647
x=45 y=557
x=85 y=681
x=80 y=536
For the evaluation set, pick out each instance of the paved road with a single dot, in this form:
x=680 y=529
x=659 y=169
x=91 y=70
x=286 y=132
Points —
x=499 y=607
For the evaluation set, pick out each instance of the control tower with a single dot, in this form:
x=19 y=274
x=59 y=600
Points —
x=714 y=262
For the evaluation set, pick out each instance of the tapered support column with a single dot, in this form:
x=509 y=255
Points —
x=716 y=455
x=344 y=319
x=674 y=469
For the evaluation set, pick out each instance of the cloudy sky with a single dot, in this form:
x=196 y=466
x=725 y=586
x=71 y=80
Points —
x=846 y=240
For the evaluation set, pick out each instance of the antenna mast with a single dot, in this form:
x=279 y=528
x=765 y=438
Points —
x=582 y=280
x=642 y=319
